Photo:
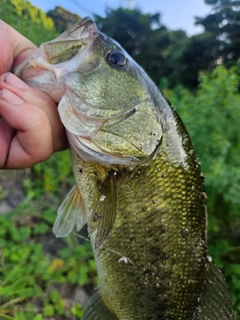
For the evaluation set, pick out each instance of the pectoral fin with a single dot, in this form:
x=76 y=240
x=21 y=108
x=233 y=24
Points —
x=104 y=215
x=97 y=310
x=71 y=212
x=216 y=301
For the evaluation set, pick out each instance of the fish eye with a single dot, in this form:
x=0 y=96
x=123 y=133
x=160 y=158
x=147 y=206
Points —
x=116 y=59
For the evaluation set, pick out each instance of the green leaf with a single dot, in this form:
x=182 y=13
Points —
x=38 y=317
x=48 y=310
x=4 y=316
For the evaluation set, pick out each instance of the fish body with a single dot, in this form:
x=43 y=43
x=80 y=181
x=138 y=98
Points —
x=139 y=185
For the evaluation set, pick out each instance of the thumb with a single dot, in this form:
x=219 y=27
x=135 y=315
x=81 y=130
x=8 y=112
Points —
x=14 y=47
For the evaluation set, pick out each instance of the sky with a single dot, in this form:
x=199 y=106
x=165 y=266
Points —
x=176 y=14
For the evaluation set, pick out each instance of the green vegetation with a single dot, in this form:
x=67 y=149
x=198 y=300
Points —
x=62 y=19
x=35 y=267
x=200 y=76
x=30 y=21
x=212 y=116
x=170 y=57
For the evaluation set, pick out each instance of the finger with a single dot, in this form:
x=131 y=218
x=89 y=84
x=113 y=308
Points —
x=33 y=140
x=13 y=45
x=41 y=100
x=6 y=135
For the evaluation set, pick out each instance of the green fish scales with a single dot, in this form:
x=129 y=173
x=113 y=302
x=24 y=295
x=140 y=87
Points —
x=139 y=185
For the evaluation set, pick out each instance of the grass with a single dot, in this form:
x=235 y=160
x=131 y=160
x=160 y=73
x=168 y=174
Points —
x=39 y=273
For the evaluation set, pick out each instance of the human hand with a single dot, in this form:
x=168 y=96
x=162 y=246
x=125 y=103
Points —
x=30 y=127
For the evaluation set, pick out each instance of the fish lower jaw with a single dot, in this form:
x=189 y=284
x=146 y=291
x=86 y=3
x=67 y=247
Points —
x=88 y=151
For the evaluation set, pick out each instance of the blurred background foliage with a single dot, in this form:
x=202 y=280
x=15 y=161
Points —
x=200 y=75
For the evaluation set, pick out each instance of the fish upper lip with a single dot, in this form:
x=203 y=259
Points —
x=86 y=21
x=90 y=25
x=85 y=28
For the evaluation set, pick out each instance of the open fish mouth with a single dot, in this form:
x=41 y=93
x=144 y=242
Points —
x=70 y=52
x=79 y=37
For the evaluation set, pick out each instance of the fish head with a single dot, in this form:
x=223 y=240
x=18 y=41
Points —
x=103 y=95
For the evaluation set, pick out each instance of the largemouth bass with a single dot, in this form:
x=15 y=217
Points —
x=138 y=183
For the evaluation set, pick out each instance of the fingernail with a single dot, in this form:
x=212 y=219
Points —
x=14 y=81
x=10 y=97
